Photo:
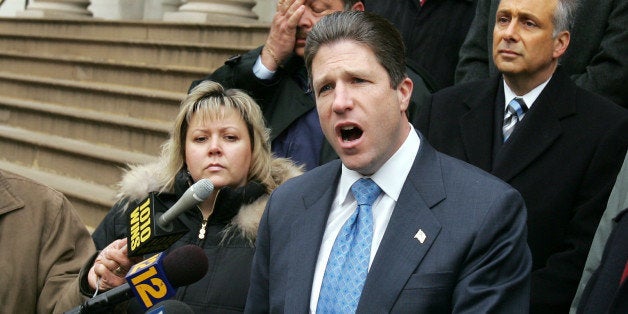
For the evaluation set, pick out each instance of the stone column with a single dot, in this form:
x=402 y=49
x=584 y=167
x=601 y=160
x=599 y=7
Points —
x=201 y=11
x=57 y=9
x=155 y=9
x=117 y=9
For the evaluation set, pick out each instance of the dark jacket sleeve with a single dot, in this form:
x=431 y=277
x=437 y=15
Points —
x=554 y=286
x=606 y=73
x=499 y=255
x=475 y=56
x=112 y=227
x=235 y=71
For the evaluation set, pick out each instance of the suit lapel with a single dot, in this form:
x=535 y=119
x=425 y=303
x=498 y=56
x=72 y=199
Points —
x=538 y=130
x=477 y=128
x=400 y=253
x=306 y=233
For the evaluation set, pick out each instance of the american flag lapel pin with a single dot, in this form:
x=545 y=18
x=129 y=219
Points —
x=420 y=235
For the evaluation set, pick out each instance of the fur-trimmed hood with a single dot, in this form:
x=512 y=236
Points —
x=139 y=180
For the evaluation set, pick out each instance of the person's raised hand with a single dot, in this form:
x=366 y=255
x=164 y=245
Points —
x=111 y=266
x=282 y=36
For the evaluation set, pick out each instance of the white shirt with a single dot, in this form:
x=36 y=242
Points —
x=261 y=71
x=390 y=178
x=528 y=98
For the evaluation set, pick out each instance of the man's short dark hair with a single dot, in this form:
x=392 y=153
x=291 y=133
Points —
x=364 y=28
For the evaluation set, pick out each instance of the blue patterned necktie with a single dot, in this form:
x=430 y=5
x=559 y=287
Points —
x=349 y=259
x=514 y=113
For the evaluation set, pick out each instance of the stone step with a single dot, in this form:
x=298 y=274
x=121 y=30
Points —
x=81 y=99
x=148 y=104
x=205 y=56
x=91 y=201
x=94 y=127
x=230 y=34
x=67 y=157
x=169 y=77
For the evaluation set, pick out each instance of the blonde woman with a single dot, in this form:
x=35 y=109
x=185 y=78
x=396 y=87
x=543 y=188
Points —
x=220 y=135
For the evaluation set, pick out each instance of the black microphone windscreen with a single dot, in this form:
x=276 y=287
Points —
x=185 y=265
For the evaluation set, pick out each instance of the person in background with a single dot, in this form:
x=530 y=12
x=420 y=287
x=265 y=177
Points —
x=275 y=76
x=596 y=58
x=607 y=289
x=433 y=32
x=219 y=135
x=46 y=251
x=393 y=226
x=604 y=287
x=559 y=145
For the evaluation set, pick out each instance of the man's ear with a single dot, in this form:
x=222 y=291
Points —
x=404 y=92
x=561 y=42
x=358 y=6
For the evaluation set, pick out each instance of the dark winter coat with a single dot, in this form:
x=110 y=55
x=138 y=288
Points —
x=229 y=234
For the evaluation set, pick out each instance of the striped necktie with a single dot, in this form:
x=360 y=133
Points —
x=514 y=113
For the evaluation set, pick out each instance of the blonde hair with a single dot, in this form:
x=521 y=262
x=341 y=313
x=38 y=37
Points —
x=210 y=99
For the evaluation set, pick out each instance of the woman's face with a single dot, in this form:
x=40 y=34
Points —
x=219 y=150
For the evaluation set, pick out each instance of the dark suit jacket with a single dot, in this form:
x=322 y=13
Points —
x=563 y=158
x=596 y=57
x=603 y=293
x=474 y=259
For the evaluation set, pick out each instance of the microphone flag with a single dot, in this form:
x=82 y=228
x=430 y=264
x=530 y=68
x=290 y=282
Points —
x=149 y=282
x=145 y=235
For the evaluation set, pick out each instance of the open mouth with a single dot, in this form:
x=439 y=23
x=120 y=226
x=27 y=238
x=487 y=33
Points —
x=350 y=133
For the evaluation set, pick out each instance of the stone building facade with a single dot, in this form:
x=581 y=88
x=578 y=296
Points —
x=186 y=11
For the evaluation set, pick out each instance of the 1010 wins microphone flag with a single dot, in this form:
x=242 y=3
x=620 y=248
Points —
x=154 y=228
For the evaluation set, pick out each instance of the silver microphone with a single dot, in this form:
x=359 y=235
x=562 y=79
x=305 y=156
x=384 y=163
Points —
x=194 y=195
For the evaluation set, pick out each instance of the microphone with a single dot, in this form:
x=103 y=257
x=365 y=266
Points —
x=170 y=307
x=195 y=195
x=152 y=280
x=152 y=228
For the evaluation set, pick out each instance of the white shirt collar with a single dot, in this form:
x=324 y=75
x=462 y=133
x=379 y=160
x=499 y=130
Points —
x=528 y=98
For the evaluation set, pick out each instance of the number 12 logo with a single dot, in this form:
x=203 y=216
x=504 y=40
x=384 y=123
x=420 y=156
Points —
x=149 y=282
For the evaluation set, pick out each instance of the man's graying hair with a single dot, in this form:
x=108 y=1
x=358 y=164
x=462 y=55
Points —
x=363 y=28
x=564 y=15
